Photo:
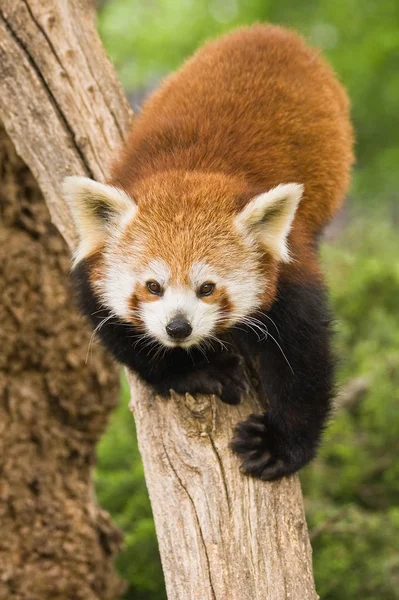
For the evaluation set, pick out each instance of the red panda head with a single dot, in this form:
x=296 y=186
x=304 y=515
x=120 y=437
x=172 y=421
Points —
x=182 y=256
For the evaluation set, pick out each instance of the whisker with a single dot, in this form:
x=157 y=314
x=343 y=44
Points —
x=203 y=352
x=94 y=333
x=207 y=344
x=282 y=352
x=245 y=322
x=139 y=337
x=222 y=344
x=98 y=311
x=251 y=323
x=188 y=350
x=270 y=319
x=255 y=323
x=158 y=352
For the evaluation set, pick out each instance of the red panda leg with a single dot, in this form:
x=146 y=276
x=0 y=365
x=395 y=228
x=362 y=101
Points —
x=296 y=373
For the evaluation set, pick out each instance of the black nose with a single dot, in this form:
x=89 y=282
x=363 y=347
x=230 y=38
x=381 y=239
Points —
x=178 y=328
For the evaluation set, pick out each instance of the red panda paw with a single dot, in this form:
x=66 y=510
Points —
x=265 y=452
x=234 y=387
x=228 y=370
x=223 y=377
x=197 y=382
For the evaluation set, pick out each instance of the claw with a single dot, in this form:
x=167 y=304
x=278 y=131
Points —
x=259 y=447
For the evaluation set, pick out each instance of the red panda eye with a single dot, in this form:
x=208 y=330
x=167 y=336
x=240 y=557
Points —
x=206 y=289
x=154 y=287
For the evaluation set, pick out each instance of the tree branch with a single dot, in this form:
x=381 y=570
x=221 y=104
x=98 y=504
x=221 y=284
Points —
x=221 y=535
x=61 y=101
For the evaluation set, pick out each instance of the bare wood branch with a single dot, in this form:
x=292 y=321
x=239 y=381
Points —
x=221 y=535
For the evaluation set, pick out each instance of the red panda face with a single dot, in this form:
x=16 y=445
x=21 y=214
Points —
x=184 y=307
x=182 y=262
x=180 y=268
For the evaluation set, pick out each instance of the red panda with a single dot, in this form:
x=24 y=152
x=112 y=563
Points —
x=200 y=252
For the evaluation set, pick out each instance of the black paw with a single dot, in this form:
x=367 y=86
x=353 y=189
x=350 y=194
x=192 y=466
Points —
x=198 y=382
x=228 y=371
x=234 y=386
x=266 y=452
x=223 y=377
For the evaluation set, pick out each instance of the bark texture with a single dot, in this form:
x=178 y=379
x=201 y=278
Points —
x=55 y=540
x=222 y=536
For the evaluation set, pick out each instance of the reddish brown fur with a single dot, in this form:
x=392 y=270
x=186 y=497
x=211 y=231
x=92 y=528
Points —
x=140 y=295
x=184 y=215
x=249 y=111
x=96 y=271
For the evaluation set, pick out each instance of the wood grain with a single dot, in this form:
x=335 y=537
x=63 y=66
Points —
x=222 y=535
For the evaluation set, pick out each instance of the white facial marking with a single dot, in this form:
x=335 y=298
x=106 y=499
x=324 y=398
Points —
x=119 y=283
x=179 y=300
x=159 y=271
x=242 y=285
x=244 y=291
x=122 y=276
x=201 y=272
x=241 y=282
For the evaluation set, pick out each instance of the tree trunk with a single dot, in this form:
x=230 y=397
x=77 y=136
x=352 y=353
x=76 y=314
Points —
x=55 y=541
x=222 y=536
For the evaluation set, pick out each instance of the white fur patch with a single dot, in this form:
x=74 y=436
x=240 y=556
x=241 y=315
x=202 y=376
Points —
x=244 y=292
x=179 y=300
x=241 y=282
x=122 y=276
x=118 y=287
x=269 y=216
x=242 y=285
x=157 y=270
x=201 y=272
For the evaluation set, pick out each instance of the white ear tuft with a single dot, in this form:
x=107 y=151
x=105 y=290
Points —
x=96 y=209
x=269 y=218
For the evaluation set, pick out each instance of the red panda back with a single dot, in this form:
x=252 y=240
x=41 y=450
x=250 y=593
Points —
x=257 y=104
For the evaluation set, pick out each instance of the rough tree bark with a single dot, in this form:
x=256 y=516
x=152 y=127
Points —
x=222 y=536
x=56 y=543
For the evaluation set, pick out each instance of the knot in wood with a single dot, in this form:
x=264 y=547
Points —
x=199 y=416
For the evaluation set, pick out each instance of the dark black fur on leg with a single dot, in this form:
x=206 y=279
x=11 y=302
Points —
x=217 y=372
x=299 y=387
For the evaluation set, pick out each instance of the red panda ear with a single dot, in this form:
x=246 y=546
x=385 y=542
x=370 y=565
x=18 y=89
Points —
x=96 y=209
x=269 y=216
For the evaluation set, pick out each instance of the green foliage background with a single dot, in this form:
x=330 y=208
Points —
x=351 y=489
